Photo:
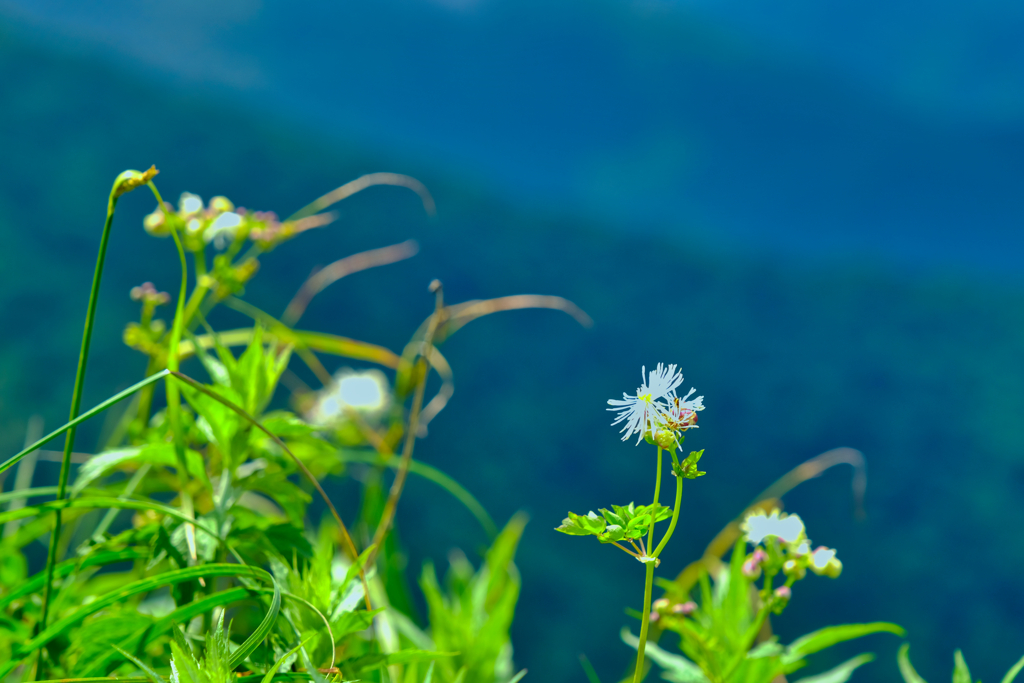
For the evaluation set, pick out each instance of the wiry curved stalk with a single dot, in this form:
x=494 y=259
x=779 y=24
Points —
x=125 y=182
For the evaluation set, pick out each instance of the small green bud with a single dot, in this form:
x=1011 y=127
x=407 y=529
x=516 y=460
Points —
x=795 y=569
x=780 y=598
x=221 y=204
x=129 y=180
x=834 y=568
x=665 y=438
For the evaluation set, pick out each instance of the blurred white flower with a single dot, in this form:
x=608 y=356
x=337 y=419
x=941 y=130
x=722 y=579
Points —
x=366 y=392
x=821 y=557
x=223 y=229
x=789 y=528
x=644 y=411
x=189 y=204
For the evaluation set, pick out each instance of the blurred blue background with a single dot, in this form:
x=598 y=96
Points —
x=815 y=209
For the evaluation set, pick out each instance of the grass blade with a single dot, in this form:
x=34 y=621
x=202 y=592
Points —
x=120 y=396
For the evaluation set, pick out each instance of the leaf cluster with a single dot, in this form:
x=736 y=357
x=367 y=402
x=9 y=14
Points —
x=218 y=572
x=621 y=523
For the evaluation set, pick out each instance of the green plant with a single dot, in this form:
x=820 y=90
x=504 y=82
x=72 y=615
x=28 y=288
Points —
x=725 y=635
x=220 y=573
x=961 y=674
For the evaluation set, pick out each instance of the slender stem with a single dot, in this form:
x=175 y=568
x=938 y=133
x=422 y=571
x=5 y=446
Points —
x=654 y=505
x=388 y=515
x=173 y=392
x=649 y=580
x=76 y=403
x=648 y=584
x=625 y=550
x=675 y=512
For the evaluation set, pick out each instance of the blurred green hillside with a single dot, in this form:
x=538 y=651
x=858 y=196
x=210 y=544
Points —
x=924 y=374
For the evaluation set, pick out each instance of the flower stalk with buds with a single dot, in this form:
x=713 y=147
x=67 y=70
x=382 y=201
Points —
x=656 y=414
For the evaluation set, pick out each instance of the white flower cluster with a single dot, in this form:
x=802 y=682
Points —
x=656 y=406
x=365 y=392
x=789 y=529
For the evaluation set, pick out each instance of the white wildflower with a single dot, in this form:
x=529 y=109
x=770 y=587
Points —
x=223 y=229
x=650 y=406
x=789 y=528
x=821 y=557
x=366 y=392
x=189 y=204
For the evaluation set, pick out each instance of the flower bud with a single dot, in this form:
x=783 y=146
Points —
x=751 y=569
x=157 y=223
x=794 y=569
x=665 y=438
x=820 y=559
x=661 y=604
x=221 y=204
x=780 y=598
x=129 y=180
x=834 y=568
x=684 y=608
x=189 y=204
x=654 y=617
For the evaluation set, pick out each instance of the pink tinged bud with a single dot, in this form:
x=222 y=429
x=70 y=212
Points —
x=661 y=604
x=751 y=569
x=655 y=616
x=759 y=556
x=684 y=608
x=783 y=593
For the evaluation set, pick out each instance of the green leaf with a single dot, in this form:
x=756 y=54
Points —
x=70 y=566
x=146 y=585
x=906 y=668
x=13 y=460
x=830 y=635
x=677 y=668
x=961 y=674
x=155 y=454
x=1014 y=670
x=841 y=673
x=152 y=675
x=277 y=665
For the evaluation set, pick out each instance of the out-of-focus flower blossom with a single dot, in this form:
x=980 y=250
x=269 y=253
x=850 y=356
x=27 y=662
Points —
x=365 y=392
x=223 y=229
x=757 y=526
x=189 y=204
x=684 y=608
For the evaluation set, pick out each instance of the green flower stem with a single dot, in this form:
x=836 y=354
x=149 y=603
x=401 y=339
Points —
x=76 y=399
x=173 y=392
x=654 y=510
x=675 y=511
x=649 y=578
x=648 y=585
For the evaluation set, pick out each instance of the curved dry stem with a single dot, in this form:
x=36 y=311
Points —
x=388 y=515
x=301 y=465
x=444 y=394
x=460 y=314
x=359 y=184
x=325 y=277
